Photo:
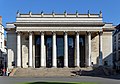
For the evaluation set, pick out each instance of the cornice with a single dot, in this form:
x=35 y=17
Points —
x=62 y=24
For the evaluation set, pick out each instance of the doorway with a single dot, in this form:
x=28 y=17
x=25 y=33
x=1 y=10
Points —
x=82 y=51
x=37 y=51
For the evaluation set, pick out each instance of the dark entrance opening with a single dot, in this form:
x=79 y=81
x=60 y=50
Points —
x=37 y=51
x=60 y=51
x=48 y=43
x=82 y=51
x=71 y=50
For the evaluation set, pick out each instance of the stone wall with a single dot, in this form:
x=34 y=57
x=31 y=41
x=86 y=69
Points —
x=12 y=49
x=107 y=47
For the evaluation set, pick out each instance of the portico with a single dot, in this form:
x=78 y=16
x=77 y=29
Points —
x=54 y=58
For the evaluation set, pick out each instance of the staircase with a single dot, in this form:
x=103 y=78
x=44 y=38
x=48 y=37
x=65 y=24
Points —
x=44 y=72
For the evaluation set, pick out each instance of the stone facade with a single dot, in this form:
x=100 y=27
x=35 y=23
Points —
x=12 y=49
x=107 y=54
x=92 y=39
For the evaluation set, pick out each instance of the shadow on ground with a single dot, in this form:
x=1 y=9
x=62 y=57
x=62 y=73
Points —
x=101 y=71
x=47 y=83
x=60 y=83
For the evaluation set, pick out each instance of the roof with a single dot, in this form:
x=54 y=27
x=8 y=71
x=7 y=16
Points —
x=117 y=29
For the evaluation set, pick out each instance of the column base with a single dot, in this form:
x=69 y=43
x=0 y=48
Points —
x=88 y=66
x=66 y=67
x=77 y=67
x=18 y=66
x=43 y=67
x=53 y=67
x=30 y=67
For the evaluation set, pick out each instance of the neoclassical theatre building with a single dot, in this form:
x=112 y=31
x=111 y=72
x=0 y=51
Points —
x=59 y=40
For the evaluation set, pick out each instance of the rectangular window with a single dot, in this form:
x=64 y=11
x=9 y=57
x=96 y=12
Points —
x=118 y=45
x=118 y=36
x=115 y=39
x=114 y=56
x=119 y=55
x=114 y=47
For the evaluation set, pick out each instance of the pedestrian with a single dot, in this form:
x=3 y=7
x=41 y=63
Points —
x=4 y=72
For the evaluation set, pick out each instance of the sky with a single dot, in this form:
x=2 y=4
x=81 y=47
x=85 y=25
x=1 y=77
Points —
x=109 y=8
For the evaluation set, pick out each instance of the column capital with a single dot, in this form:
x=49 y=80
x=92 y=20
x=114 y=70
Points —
x=19 y=33
x=65 y=33
x=30 y=33
x=100 y=33
x=76 y=32
x=42 y=33
x=88 y=33
x=54 y=33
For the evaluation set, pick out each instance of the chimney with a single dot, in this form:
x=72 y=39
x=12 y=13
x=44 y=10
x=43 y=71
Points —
x=0 y=19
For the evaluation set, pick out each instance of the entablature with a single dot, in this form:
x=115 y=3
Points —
x=59 y=24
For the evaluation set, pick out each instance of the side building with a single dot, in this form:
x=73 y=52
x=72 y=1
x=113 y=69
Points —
x=116 y=48
x=3 y=53
x=59 y=40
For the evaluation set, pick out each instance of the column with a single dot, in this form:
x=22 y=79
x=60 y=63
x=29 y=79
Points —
x=30 y=58
x=86 y=50
x=54 y=51
x=89 y=48
x=100 y=49
x=42 y=50
x=18 y=50
x=65 y=49
x=77 y=50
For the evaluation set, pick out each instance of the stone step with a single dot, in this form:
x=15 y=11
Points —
x=45 y=72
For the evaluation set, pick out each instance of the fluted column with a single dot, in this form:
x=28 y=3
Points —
x=100 y=49
x=65 y=49
x=42 y=50
x=18 y=50
x=89 y=48
x=54 y=51
x=77 y=50
x=30 y=59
